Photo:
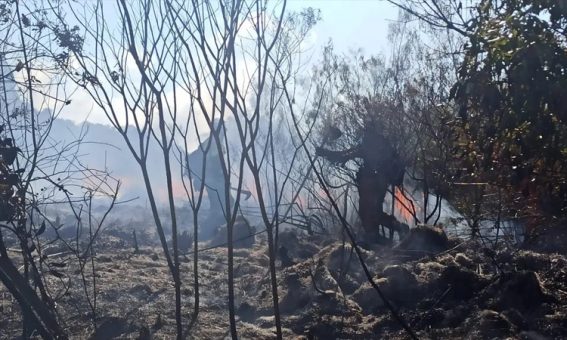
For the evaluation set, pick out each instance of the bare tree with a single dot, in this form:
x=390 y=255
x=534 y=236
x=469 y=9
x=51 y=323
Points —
x=261 y=124
x=39 y=169
x=169 y=74
x=455 y=15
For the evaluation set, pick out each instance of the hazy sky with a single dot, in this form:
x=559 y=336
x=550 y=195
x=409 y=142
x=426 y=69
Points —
x=351 y=24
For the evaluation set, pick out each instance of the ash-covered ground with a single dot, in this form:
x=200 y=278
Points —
x=466 y=291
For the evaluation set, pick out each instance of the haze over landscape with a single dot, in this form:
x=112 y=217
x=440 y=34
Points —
x=367 y=20
x=283 y=169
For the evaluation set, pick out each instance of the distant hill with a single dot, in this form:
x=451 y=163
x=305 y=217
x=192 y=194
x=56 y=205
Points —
x=104 y=148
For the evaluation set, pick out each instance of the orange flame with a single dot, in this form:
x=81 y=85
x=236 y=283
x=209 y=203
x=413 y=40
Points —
x=402 y=206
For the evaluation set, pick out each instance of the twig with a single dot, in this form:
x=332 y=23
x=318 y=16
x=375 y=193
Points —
x=443 y=296
x=224 y=244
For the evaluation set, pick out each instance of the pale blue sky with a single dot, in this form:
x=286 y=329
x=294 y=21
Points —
x=351 y=24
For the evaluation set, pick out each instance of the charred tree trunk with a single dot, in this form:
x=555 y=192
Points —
x=33 y=308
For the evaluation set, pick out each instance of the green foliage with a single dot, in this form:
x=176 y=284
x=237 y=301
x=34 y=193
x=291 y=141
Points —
x=512 y=98
x=10 y=203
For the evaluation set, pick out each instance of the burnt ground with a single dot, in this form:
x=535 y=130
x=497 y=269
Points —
x=465 y=292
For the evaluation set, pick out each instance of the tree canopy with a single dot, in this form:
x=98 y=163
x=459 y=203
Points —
x=511 y=98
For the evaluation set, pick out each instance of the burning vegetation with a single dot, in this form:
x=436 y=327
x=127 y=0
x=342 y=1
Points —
x=418 y=196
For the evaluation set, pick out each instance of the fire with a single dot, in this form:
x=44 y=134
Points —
x=402 y=206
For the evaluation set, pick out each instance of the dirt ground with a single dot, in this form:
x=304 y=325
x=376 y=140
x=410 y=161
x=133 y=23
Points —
x=464 y=292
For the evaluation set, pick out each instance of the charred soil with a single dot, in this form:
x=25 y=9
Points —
x=459 y=293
